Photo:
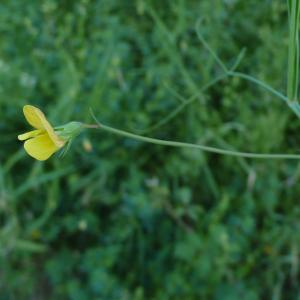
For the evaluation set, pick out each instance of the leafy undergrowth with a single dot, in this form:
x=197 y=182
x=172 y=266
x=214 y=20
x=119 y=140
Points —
x=119 y=219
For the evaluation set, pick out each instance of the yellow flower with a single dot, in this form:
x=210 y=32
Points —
x=42 y=142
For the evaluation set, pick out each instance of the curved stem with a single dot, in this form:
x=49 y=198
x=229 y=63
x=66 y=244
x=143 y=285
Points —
x=207 y=46
x=194 y=146
x=258 y=82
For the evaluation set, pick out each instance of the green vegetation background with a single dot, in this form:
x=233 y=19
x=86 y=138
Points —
x=119 y=219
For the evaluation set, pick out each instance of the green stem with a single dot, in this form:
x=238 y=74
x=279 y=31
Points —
x=293 y=52
x=178 y=109
x=193 y=146
x=207 y=46
x=258 y=82
x=293 y=105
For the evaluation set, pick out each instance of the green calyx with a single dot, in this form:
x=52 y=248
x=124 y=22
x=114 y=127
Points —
x=69 y=131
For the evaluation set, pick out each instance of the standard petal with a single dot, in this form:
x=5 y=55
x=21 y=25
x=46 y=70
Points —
x=40 y=147
x=37 y=119
x=30 y=134
x=34 y=116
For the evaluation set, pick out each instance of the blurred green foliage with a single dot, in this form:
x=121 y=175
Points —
x=118 y=219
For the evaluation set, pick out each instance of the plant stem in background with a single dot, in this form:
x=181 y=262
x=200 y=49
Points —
x=291 y=99
x=293 y=53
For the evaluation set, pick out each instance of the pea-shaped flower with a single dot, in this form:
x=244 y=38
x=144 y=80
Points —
x=45 y=140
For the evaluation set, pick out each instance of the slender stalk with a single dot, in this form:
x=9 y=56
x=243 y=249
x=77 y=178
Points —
x=258 y=82
x=95 y=126
x=193 y=146
x=178 y=109
x=293 y=52
x=207 y=46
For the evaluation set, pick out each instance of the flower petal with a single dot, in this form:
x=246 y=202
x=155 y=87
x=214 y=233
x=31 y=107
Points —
x=37 y=119
x=40 y=147
x=34 y=116
x=28 y=135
